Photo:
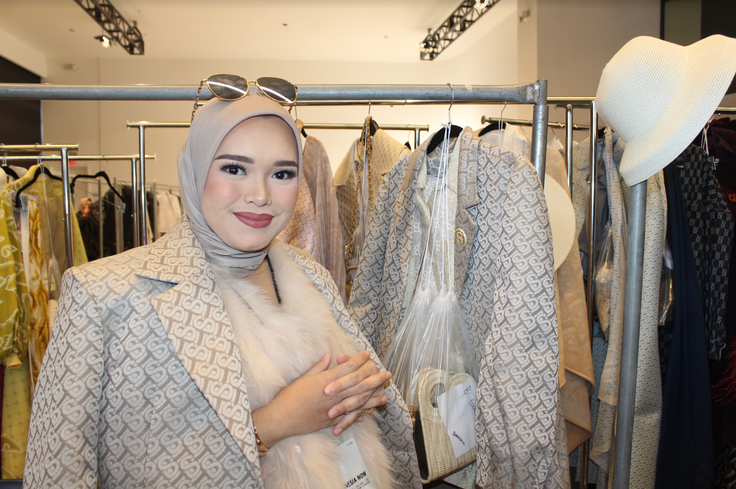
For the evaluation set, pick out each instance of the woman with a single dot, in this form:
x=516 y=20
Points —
x=89 y=226
x=216 y=357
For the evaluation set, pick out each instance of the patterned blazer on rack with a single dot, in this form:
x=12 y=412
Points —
x=142 y=384
x=504 y=268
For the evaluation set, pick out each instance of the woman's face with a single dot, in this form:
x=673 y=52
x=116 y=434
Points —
x=252 y=185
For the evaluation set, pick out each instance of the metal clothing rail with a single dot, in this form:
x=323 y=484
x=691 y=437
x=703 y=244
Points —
x=64 y=158
x=386 y=127
x=527 y=122
x=531 y=94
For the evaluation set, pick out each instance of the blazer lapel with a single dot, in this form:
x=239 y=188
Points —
x=193 y=315
x=467 y=196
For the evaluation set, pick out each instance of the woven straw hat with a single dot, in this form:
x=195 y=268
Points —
x=657 y=96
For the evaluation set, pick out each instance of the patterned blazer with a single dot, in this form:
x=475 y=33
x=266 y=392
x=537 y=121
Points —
x=142 y=384
x=504 y=268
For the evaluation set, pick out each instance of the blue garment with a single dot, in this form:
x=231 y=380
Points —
x=685 y=457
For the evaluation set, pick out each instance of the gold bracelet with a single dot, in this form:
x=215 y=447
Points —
x=262 y=449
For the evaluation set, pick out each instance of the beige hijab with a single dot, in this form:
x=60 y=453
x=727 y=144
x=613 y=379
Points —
x=211 y=124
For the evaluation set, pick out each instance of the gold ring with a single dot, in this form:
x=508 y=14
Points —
x=367 y=412
x=387 y=384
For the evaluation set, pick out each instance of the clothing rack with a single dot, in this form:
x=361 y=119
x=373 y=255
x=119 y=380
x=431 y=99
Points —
x=154 y=190
x=64 y=149
x=64 y=158
x=527 y=122
x=386 y=127
x=143 y=125
x=569 y=104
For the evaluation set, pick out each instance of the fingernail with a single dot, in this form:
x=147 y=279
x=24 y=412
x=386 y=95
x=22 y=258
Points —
x=338 y=431
x=360 y=419
x=384 y=399
x=329 y=390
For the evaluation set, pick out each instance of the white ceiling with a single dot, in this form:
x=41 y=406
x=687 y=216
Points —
x=324 y=30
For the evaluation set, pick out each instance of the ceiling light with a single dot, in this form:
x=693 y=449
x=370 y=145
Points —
x=104 y=40
x=480 y=4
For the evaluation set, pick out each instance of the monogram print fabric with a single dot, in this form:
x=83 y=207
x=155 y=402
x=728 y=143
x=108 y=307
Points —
x=648 y=404
x=507 y=296
x=711 y=227
x=603 y=438
x=143 y=379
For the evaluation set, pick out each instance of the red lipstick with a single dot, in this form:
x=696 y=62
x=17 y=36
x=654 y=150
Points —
x=257 y=221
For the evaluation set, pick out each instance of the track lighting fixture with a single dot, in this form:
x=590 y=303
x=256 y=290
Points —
x=104 y=40
x=458 y=22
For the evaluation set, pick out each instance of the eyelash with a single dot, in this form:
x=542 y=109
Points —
x=285 y=174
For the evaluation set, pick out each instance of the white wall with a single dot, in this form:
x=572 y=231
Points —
x=100 y=126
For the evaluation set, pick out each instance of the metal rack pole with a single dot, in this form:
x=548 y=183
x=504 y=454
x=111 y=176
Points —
x=143 y=209
x=154 y=223
x=630 y=342
x=348 y=94
x=136 y=202
x=67 y=207
x=101 y=216
x=539 y=131
x=591 y=213
x=569 y=126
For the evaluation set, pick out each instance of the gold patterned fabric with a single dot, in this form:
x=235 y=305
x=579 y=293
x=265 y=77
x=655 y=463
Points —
x=50 y=200
x=15 y=419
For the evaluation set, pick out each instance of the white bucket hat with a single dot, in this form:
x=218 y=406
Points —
x=657 y=96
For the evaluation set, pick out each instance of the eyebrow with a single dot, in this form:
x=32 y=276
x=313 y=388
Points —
x=246 y=159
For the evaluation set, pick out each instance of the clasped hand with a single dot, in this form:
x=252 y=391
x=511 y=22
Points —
x=323 y=397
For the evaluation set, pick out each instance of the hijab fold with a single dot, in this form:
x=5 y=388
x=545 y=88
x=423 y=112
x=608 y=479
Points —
x=212 y=122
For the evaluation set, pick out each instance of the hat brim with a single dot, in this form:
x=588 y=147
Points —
x=711 y=68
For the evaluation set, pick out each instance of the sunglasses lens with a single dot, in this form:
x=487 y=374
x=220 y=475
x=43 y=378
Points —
x=228 y=87
x=278 y=89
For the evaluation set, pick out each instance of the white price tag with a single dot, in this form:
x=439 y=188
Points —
x=459 y=404
x=353 y=466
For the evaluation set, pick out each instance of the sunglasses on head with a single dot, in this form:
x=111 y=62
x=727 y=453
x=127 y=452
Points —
x=234 y=87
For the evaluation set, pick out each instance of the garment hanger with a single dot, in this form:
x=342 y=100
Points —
x=8 y=171
x=96 y=176
x=454 y=130
x=494 y=125
x=39 y=170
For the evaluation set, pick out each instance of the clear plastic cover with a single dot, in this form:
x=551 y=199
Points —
x=432 y=350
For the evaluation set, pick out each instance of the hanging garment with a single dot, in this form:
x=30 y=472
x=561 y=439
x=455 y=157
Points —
x=16 y=416
x=507 y=296
x=14 y=300
x=301 y=229
x=576 y=372
x=328 y=239
x=108 y=226
x=711 y=227
x=722 y=144
x=685 y=457
x=49 y=195
x=169 y=211
x=349 y=182
x=648 y=403
x=602 y=446
x=89 y=227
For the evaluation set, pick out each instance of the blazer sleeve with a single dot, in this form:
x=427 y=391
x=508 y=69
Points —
x=364 y=303
x=62 y=443
x=519 y=383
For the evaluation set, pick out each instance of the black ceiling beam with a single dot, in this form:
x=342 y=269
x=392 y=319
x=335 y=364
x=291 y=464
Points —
x=114 y=24
x=458 y=22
